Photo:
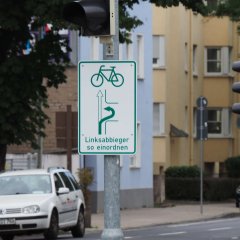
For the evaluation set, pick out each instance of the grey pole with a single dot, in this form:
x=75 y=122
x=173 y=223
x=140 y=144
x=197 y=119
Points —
x=202 y=105
x=201 y=135
x=201 y=176
x=112 y=230
x=201 y=158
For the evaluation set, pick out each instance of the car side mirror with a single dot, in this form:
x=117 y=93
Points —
x=63 y=190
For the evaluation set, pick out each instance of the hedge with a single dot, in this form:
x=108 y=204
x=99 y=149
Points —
x=232 y=165
x=183 y=171
x=214 y=189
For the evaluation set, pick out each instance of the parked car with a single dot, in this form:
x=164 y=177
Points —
x=40 y=201
x=237 y=196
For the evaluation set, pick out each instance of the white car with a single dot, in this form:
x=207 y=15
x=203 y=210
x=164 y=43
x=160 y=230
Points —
x=40 y=201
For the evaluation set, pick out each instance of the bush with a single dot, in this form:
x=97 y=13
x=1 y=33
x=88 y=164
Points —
x=86 y=178
x=182 y=188
x=183 y=172
x=233 y=167
x=214 y=189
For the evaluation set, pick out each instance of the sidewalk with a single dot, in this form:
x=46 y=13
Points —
x=175 y=213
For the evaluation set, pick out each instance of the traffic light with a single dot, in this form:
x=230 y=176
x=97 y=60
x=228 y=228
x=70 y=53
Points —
x=93 y=17
x=236 y=87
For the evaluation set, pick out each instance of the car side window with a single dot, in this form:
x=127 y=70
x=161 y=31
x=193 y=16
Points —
x=57 y=181
x=73 y=180
x=66 y=181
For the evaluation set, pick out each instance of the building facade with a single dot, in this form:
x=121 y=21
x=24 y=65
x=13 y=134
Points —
x=136 y=170
x=193 y=56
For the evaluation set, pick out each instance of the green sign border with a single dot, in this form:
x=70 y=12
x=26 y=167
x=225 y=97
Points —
x=135 y=108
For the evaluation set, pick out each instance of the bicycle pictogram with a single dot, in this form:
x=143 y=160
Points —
x=116 y=79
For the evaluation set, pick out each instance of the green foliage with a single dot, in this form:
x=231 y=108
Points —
x=183 y=172
x=214 y=189
x=182 y=188
x=127 y=22
x=229 y=8
x=85 y=176
x=232 y=165
x=217 y=189
x=24 y=79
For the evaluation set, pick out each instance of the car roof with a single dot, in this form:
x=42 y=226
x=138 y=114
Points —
x=32 y=171
x=24 y=172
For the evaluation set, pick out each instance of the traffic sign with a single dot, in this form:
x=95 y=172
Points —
x=107 y=107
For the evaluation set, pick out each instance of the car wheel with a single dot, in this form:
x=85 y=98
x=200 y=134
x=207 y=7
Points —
x=7 y=237
x=79 y=229
x=237 y=203
x=52 y=232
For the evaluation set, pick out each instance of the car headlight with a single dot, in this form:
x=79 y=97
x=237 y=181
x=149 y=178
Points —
x=31 y=209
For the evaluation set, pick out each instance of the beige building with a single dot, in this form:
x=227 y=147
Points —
x=192 y=57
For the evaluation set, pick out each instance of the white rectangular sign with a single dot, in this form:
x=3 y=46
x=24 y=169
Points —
x=107 y=107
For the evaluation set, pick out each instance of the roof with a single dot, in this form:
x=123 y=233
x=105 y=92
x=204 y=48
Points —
x=176 y=132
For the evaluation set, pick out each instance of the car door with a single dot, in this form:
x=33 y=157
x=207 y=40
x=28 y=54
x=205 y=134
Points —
x=61 y=200
x=71 y=198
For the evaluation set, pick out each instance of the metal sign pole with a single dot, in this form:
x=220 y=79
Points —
x=201 y=158
x=112 y=230
x=201 y=135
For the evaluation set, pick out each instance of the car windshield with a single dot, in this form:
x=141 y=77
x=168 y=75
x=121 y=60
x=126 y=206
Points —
x=25 y=184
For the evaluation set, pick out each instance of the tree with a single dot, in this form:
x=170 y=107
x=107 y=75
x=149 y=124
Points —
x=128 y=22
x=25 y=77
x=229 y=8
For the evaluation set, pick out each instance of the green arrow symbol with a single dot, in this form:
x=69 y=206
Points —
x=112 y=114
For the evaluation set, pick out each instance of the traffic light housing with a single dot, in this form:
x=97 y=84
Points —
x=93 y=17
x=236 y=87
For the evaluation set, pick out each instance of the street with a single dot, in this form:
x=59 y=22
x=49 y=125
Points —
x=221 y=229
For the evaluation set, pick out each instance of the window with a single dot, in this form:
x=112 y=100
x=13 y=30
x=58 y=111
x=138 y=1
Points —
x=72 y=38
x=66 y=181
x=135 y=160
x=186 y=57
x=73 y=180
x=158 y=119
x=217 y=60
x=158 y=51
x=57 y=181
x=73 y=43
x=95 y=48
x=219 y=122
x=121 y=160
x=129 y=48
x=61 y=128
x=140 y=56
x=194 y=63
x=214 y=60
x=120 y=50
